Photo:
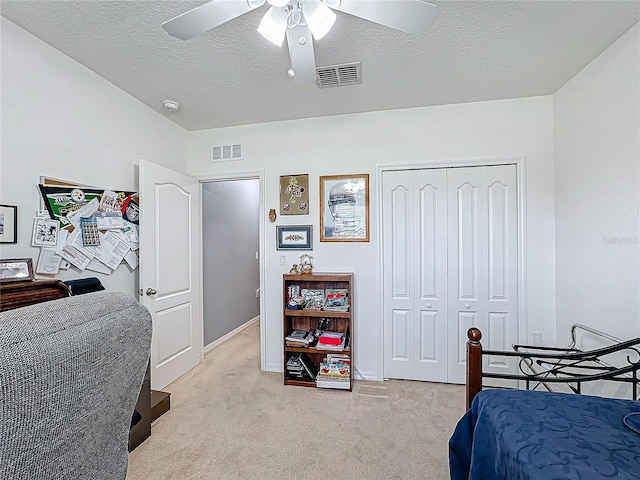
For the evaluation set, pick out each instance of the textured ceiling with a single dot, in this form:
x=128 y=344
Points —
x=475 y=50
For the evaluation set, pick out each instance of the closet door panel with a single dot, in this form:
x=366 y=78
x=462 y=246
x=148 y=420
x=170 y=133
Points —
x=431 y=291
x=399 y=274
x=464 y=263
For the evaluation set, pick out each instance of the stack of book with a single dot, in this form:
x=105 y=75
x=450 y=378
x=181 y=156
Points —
x=301 y=366
x=294 y=367
x=300 y=338
x=332 y=341
x=335 y=372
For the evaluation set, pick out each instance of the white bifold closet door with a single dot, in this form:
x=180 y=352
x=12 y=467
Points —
x=450 y=263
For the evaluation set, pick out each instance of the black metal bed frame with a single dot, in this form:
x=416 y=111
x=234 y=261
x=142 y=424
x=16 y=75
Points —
x=546 y=366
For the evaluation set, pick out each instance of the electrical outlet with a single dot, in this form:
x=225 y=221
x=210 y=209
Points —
x=537 y=338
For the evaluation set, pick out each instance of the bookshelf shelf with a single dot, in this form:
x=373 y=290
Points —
x=317 y=357
x=315 y=350
x=316 y=313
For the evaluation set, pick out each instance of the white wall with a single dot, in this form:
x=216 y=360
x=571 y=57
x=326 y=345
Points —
x=61 y=120
x=357 y=144
x=597 y=170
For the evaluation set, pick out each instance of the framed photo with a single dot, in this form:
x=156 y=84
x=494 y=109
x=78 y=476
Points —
x=16 y=270
x=297 y=237
x=8 y=224
x=344 y=208
x=294 y=195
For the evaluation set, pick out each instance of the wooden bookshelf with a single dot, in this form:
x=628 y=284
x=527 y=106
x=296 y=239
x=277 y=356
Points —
x=306 y=319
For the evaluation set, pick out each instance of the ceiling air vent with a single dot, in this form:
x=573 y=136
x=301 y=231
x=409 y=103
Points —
x=223 y=153
x=339 y=75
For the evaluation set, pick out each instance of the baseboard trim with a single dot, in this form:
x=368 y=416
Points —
x=229 y=335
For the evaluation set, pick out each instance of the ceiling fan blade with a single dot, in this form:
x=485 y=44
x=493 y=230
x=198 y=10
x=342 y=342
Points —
x=410 y=16
x=303 y=62
x=207 y=16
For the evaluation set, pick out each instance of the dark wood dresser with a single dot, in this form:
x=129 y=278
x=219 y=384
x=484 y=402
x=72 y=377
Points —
x=21 y=294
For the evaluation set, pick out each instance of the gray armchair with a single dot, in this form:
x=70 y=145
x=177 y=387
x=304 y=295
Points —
x=70 y=374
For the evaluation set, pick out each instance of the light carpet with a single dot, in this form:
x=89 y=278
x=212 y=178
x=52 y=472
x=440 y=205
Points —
x=229 y=420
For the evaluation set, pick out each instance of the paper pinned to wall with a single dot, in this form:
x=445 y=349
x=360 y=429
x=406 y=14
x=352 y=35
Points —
x=48 y=260
x=97 y=266
x=75 y=252
x=131 y=258
x=113 y=247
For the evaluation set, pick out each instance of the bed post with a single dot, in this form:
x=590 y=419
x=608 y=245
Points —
x=474 y=364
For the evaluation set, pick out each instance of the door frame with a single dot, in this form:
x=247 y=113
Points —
x=252 y=175
x=520 y=163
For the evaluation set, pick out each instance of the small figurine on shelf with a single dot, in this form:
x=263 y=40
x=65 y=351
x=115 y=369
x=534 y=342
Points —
x=306 y=263
x=294 y=269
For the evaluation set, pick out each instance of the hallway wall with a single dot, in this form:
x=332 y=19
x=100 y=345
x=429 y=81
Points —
x=230 y=241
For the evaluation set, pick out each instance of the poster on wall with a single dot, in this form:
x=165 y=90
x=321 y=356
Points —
x=344 y=208
x=294 y=195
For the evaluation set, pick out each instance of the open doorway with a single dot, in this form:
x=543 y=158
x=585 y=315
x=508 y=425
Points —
x=230 y=257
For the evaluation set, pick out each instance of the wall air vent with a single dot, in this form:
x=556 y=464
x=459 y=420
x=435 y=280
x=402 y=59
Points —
x=224 y=153
x=339 y=75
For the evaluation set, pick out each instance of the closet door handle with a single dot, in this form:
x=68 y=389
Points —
x=467 y=306
x=151 y=291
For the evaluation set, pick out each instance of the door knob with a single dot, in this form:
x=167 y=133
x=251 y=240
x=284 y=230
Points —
x=151 y=291
x=428 y=305
x=466 y=305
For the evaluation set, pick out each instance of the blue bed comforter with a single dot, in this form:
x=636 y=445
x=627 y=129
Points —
x=527 y=435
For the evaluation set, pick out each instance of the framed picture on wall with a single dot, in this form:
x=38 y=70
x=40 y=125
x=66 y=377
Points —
x=294 y=195
x=16 y=270
x=8 y=224
x=344 y=208
x=298 y=237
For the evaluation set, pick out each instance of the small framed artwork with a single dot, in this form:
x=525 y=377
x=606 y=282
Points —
x=8 y=224
x=294 y=195
x=344 y=208
x=297 y=237
x=16 y=270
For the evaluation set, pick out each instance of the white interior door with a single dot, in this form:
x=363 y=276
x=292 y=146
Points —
x=450 y=262
x=415 y=253
x=482 y=263
x=170 y=269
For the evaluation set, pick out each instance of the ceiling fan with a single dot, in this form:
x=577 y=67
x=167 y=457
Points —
x=303 y=21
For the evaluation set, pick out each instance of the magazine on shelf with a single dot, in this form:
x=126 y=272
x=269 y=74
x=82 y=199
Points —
x=336 y=300
x=312 y=299
x=338 y=358
x=322 y=381
x=300 y=338
x=342 y=369
x=297 y=335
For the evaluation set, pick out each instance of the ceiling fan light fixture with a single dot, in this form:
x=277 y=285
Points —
x=319 y=18
x=273 y=25
x=253 y=4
